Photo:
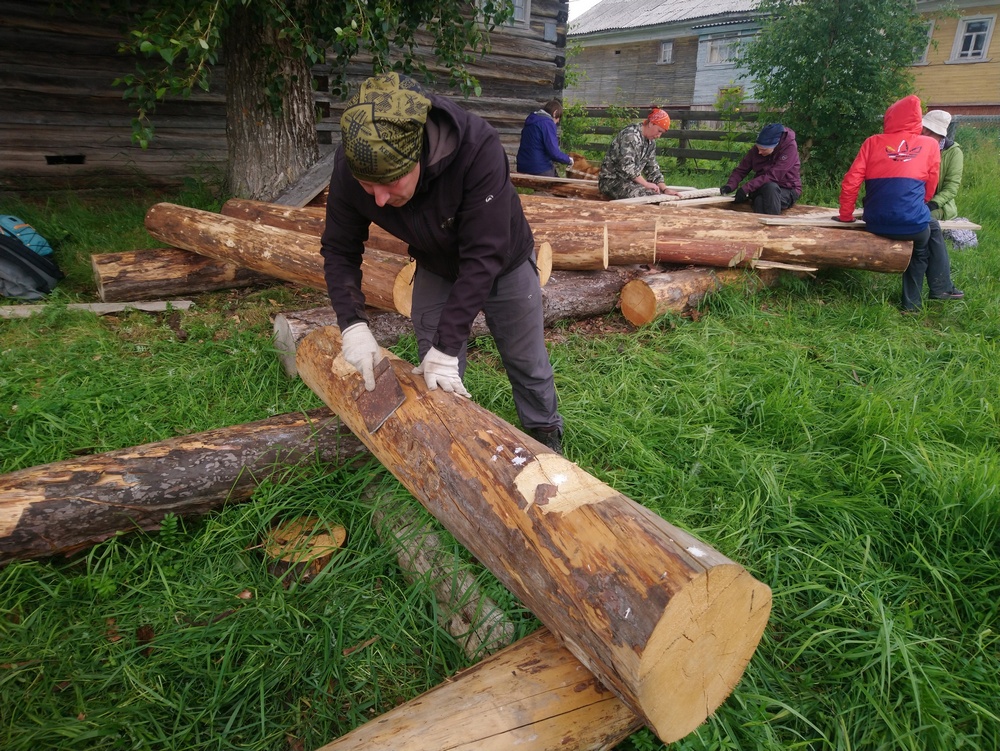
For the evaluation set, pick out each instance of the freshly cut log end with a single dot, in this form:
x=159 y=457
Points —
x=706 y=638
x=402 y=289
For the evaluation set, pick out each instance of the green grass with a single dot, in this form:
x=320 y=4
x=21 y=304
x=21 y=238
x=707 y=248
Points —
x=843 y=453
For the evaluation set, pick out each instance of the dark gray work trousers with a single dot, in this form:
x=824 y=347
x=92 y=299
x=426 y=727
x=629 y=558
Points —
x=771 y=198
x=514 y=317
x=929 y=259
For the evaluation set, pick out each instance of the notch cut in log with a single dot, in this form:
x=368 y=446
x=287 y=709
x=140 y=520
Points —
x=662 y=619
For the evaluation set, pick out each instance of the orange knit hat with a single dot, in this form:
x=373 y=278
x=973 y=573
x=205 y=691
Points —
x=659 y=117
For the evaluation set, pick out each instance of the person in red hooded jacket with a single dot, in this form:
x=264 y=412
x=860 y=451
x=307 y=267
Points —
x=899 y=169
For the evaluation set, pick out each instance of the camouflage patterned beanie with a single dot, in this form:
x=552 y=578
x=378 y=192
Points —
x=382 y=128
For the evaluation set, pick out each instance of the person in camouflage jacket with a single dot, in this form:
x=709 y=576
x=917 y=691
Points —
x=629 y=168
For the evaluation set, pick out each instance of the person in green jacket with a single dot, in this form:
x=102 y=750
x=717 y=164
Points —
x=942 y=205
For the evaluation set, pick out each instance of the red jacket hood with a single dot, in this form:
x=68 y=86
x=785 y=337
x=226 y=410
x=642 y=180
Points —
x=904 y=116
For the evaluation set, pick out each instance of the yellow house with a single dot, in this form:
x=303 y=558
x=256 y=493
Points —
x=960 y=68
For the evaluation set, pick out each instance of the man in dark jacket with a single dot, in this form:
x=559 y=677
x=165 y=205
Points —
x=774 y=160
x=437 y=177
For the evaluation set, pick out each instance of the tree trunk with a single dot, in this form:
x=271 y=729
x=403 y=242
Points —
x=280 y=253
x=70 y=505
x=533 y=696
x=648 y=297
x=662 y=619
x=559 y=186
x=271 y=143
x=166 y=272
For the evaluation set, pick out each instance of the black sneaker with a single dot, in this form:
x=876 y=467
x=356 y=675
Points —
x=955 y=294
x=551 y=438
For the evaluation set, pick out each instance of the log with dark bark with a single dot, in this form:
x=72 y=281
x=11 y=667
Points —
x=533 y=696
x=662 y=619
x=69 y=505
x=284 y=254
x=166 y=272
x=646 y=298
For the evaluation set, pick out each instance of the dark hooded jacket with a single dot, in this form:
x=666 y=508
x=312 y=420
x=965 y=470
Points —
x=539 y=146
x=781 y=166
x=899 y=168
x=464 y=222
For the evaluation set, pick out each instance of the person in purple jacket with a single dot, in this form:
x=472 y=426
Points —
x=774 y=161
x=539 y=147
x=437 y=177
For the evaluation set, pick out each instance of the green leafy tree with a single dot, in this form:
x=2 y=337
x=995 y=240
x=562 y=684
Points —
x=831 y=67
x=269 y=48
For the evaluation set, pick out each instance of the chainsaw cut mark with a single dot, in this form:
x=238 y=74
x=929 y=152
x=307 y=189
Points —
x=556 y=485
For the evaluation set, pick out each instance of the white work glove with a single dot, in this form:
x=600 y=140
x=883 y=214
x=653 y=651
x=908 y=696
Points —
x=361 y=351
x=439 y=369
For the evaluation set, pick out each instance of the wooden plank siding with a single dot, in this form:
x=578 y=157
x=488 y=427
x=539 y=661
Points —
x=521 y=73
x=630 y=74
x=64 y=126
x=970 y=88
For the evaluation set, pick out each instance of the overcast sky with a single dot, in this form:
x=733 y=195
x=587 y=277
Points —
x=576 y=7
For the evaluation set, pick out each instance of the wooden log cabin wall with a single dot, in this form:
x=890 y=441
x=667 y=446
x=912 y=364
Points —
x=63 y=126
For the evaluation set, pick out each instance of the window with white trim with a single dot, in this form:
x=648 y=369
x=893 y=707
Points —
x=666 y=52
x=920 y=53
x=522 y=11
x=972 y=40
x=722 y=49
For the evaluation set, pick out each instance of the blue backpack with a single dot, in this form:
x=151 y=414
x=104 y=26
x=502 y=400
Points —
x=25 y=275
x=13 y=226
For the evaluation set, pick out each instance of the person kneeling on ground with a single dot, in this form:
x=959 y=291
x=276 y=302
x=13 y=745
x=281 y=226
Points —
x=899 y=168
x=629 y=168
x=436 y=176
x=774 y=160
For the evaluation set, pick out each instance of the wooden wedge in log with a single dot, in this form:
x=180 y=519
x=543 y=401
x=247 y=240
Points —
x=663 y=620
x=166 y=272
x=532 y=696
x=283 y=254
x=69 y=505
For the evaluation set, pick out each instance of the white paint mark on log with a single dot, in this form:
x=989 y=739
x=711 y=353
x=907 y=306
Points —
x=696 y=552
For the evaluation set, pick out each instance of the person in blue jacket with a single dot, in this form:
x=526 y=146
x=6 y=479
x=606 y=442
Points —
x=539 y=147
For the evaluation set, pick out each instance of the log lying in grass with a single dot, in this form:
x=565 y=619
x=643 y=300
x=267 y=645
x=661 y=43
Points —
x=662 y=619
x=166 y=272
x=648 y=297
x=533 y=696
x=69 y=505
x=97 y=308
x=283 y=254
x=476 y=622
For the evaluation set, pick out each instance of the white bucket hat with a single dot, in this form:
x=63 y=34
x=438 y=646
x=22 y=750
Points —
x=937 y=121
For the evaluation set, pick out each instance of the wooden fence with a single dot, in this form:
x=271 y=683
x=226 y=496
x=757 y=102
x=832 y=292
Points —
x=686 y=126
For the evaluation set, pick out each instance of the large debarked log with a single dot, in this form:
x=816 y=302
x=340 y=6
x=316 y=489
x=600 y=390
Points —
x=73 y=504
x=283 y=254
x=532 y=696
x=662 y=619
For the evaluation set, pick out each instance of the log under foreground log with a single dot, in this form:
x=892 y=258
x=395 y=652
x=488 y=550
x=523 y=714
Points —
x=166 y=272
x=648 y=297
x=283 y=254
x=662 y=619
x=69 y=505
x=533 y=696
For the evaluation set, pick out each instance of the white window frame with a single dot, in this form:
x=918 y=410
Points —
x=957 y=55
x=922 y=58
x=729 y=42
x=666 y=52
x=522 y=12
